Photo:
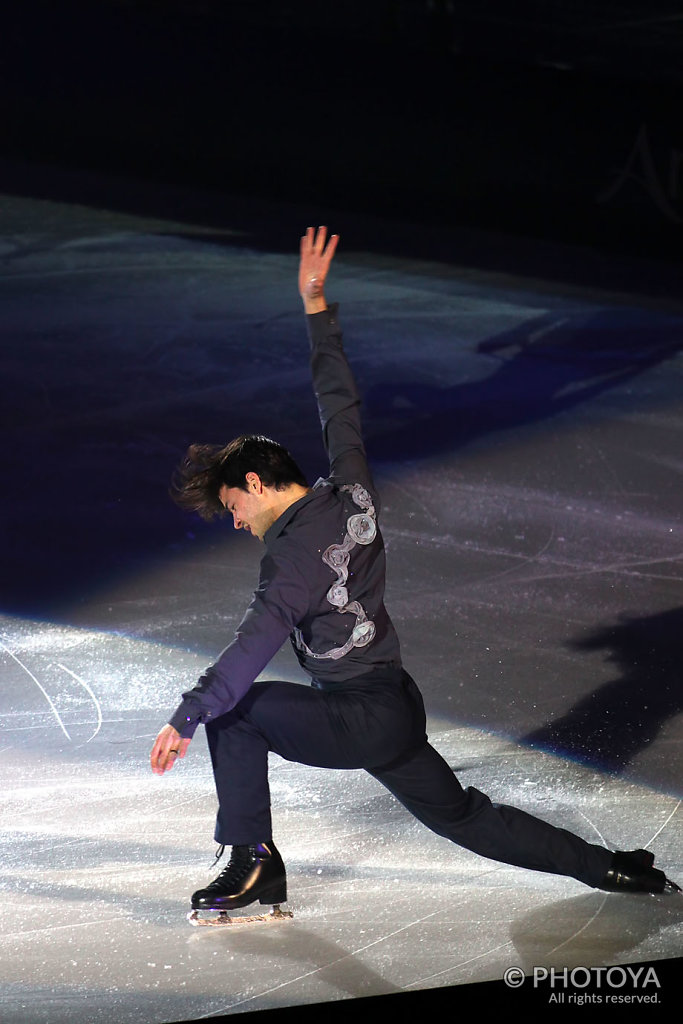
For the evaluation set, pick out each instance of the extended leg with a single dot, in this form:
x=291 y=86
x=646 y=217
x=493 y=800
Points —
x=427 y=787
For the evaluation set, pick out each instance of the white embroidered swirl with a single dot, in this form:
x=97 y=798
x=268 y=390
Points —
x=361 y=528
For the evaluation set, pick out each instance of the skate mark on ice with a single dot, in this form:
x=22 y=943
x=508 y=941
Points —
x=595 y=828
x=411 y=495
x=557 y=568
x=56 y=928
x=317 y=970
x=625 y=568
x=42 y=689
x=597 y=913
x=88 y=690
x=652 y=838
x=599 y=910
x=663 y=826
x=525 y=560
x=579 y=931
x=455 y=967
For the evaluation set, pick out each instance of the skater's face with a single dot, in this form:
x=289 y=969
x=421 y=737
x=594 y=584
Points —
x=251 y=509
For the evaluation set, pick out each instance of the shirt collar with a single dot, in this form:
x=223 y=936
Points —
x=278 y=526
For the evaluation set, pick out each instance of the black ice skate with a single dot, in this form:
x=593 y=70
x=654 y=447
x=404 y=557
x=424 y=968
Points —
x=252 y=873
x=633 y=872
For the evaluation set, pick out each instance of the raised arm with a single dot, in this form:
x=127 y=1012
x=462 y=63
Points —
x=333 y=382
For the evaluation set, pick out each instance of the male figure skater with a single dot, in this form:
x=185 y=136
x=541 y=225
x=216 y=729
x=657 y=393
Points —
x=322 y=585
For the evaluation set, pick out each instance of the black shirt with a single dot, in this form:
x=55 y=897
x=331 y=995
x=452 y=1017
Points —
x=322 y=577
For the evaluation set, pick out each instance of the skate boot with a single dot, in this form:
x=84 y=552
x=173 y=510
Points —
x=633 y=872
x=252 y=873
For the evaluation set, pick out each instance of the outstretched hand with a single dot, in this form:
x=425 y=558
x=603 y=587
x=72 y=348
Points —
x=167 y=747
x=316 y=254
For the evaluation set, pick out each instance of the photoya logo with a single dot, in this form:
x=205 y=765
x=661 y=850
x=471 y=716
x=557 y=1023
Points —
x=607 y=984
x=660 y=178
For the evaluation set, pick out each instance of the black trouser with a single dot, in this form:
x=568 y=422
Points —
x=375 y=722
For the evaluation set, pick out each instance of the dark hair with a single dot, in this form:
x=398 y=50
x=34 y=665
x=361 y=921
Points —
x=206 y=467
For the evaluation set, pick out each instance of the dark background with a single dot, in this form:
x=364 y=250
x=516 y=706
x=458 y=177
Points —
x=558 y=120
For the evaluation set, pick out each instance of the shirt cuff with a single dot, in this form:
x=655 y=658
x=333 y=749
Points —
x=183 y=722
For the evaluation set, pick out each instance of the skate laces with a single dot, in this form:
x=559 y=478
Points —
x=237 y=867
x=219 y=853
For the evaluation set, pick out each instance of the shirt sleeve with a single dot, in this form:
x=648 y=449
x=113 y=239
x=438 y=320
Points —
x=279 y=603
x=338 y=401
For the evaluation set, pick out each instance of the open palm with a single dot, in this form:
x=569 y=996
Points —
x=316 y=254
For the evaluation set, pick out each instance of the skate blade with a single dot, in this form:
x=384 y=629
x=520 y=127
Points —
x=225 y=921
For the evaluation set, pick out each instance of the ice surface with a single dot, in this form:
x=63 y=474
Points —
x=528 y=442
